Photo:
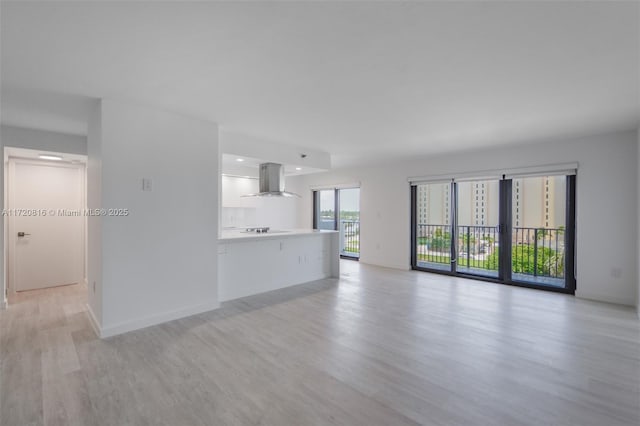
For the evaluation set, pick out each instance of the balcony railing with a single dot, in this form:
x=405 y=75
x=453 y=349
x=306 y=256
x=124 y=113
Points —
x=536 y=252
x=349 y=238
x=434 y=244
x=478 y=247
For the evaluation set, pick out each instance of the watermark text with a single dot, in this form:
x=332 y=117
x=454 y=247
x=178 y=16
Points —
x=64 y=212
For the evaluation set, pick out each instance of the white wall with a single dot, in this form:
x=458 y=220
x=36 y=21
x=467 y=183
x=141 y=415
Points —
x=638 y=243
x=239 y=211
x=43 y=140
x=607 y=205
x=94 y=223
x=3 y=261
x=160 y=262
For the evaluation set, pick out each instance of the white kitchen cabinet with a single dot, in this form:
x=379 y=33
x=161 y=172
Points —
x=253 y=264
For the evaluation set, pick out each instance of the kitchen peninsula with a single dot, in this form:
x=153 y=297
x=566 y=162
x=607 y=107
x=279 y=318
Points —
x=253 y=262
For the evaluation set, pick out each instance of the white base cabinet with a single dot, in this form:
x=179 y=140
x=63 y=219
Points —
x=257 y=264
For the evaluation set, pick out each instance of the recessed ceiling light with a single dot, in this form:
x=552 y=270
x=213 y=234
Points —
x=240 y=160
x=298 y=168
x=50 y=157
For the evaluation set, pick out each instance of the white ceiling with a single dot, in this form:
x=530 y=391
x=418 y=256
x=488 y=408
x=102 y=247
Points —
x=35 y=155
x=363 y=81
x=250 y=166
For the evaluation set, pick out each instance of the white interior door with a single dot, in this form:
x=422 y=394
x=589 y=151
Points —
x=51 y=250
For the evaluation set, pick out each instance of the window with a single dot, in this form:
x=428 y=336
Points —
x=339 y=210
x=528 y=246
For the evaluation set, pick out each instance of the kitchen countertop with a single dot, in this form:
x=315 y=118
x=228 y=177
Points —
x=235 y=235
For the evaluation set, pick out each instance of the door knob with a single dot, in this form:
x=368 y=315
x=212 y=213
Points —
x=22 y=234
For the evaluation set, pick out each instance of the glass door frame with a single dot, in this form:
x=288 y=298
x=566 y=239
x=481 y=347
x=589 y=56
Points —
x=499 y=230
x=505 y=238
x=316 y=206
x=336 y=217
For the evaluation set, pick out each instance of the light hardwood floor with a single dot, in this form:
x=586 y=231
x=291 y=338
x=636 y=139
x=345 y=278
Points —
x=377 y=347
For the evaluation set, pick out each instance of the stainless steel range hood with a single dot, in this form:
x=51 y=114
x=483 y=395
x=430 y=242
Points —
x=272 y=182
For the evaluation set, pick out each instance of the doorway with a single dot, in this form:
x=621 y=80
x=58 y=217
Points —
x=338 y=209
x=45 y=219
x=518 y=230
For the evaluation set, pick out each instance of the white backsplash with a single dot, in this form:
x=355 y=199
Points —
x=238 y=217
x=242 y=212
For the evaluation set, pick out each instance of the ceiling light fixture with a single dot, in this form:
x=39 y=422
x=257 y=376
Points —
x=298 y=168
x=240 y=160
x=50 y=157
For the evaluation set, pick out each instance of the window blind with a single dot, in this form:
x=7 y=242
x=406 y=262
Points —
x=510 y=173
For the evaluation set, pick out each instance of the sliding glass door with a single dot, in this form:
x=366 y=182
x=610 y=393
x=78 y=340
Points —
x=324 y=216
x=539 y=229
x=432 y=242
x=349 y=222
x=516 y=231
x=477 y=228
x=339 y=210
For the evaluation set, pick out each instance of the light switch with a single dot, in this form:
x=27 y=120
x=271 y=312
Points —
x=147 y=184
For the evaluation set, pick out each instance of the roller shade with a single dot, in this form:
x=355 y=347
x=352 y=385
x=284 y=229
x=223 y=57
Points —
x=564 y=169
x=429 y=180
x=457 y=177
x=520 y=172
x=337 y=186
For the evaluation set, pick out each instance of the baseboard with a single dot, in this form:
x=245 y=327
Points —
x=225 y=296
x=386 y=265
x=149 y=321
x=602 y=298
x=93 y=320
